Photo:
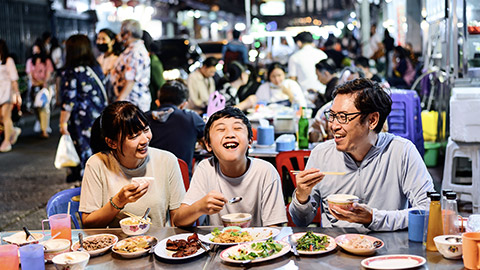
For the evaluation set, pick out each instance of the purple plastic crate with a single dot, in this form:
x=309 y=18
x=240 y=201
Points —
x=405 y=119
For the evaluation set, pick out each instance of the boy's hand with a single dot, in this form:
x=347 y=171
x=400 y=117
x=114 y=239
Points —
x=306 y=180
x=212 y=203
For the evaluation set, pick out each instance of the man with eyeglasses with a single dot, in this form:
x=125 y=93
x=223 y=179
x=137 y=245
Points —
x=385 y=171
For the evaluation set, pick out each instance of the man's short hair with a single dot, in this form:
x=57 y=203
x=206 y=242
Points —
x=370 y=97
x=227 y=112
x=326 y=64
x=133 y=27
x=362 y=61
x=236 y=34
x=210 y=62
x=173 y=92
x=304 y=37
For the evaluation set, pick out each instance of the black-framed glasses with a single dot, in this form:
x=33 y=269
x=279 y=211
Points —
x=342 y=118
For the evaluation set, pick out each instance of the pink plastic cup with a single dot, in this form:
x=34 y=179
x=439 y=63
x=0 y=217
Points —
x=60 y=223
x=9 y=257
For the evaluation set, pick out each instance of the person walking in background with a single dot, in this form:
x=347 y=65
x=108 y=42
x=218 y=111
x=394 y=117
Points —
x=131 y=74
x=120 y=140
x=403 y=70
x=39 y=69
x=301 y=66
x=156 y=68
x=234 y=50
x=363 y=64
x=278 y=89
x=389 y=44
x=327 y=75
x=9 y=96
x=173 y=128
x=237 y=76
x=109 y=51
x=201 y=85
x=83 y=97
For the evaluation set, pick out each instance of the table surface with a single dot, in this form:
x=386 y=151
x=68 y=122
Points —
x=395 y=243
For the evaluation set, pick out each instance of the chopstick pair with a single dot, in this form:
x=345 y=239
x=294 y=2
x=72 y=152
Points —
x=137 y=217
x=326 y=173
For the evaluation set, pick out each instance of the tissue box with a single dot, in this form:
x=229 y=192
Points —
x=285 y=142
x=464 y=112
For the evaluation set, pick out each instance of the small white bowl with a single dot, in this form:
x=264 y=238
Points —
x=450 y=246
x=344 y=201
x=55 y=247
x=131 y=226
x=75 y=260
x=242 y=220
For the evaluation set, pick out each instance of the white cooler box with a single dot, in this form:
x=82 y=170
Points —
x=465 y=114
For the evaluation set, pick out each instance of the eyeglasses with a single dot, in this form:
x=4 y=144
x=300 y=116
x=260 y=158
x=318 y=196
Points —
x=342 y=118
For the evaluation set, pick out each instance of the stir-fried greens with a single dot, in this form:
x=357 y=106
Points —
x=257 y=250
x=312 y=242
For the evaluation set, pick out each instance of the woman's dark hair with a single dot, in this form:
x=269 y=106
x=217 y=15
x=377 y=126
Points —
x=227 y=112
x=234 y=71
x=79 y=52
x=272 y=67
x=326 y=64
x=3 y=51
x=117 y=121
x=173 y=92
x=147 y=40
x=369 y=97
x=42 y=55
x=117 y=47
x=362 y=61
x=55 y=44
x=401 y=52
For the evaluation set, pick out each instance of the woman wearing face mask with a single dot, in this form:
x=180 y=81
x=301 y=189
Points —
x=120 y=136
x=110 y=49
x=279 y=89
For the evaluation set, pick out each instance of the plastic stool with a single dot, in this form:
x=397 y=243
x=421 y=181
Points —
x=468 y=192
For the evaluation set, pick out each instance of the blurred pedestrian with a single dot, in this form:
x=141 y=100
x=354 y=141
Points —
x=83 y=97
x=9 y=97
x=156 y=68
x=39 y=69
x=201 y=85
x=234 y=50
x=109 y=50
x=388 y=43
x=237 y=76
x=327 y=75
x=403 y=70
x=363 y=64
x=131 y=74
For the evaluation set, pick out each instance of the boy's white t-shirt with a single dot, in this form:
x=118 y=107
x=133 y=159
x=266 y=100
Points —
x=260 y=188
x=104 y=177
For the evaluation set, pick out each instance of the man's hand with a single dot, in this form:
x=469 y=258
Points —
x=212 y=203
x=360 y=213
x=306 y=180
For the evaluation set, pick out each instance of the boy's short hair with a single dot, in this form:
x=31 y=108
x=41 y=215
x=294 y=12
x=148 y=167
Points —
x=304 y=37
x=173 y=92
x=228 y=112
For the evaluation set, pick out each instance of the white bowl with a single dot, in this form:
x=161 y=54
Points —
x=344 y=201
x=19 y=239
x=450 y=246
x=131 y=226
x=242 y=220
x=75 y=260
x=55 y=247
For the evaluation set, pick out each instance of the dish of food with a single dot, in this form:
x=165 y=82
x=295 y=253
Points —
x=20 y=238
x=136 y=246
x=257 y=251
x=97 y=244
x=400 y=261
x=179 y=247
x=311 y=243
x=236 y=235
x=359 y=244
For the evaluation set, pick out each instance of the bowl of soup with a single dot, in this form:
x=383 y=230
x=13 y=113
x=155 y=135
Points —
x=55 y=247
x=75 y=260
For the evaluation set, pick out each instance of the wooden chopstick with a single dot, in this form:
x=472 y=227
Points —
x=137 y=217
x=326 y=173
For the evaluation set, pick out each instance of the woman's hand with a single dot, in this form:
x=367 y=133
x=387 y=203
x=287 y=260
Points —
x=130 y=193
x=306 y=180
x=64 y=129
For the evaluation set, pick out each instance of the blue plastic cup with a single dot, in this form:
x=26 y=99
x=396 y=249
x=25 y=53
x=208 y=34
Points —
x=32 y=257
x=416 y=219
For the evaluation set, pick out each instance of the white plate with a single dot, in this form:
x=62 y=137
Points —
x=161 y=249
x=259 y=233
x=329 y=248
x=100 y=251
x=234 y=250
x=343 y=240
x=398 y=261
x=133 y=254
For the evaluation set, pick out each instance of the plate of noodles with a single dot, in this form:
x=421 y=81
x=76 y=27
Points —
x=235 y=235
x=359 y=244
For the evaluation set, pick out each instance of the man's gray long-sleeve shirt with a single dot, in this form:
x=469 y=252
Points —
x=391 y=177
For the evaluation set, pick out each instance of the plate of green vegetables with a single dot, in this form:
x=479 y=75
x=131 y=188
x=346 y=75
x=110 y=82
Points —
x=257 y=251
x=311 y=243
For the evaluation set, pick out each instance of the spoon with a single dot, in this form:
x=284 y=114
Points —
x=80 y=240
x=45 y=242
x=153 y=244
x=28 y=234
x=144 y=217
x=234 y=200
x=377 y=244
x=293 y=244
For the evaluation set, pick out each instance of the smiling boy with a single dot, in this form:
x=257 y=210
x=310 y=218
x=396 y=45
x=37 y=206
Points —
x=231 y=173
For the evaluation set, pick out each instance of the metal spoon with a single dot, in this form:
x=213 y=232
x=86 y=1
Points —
x=80 y=241
x=144 y=217
x=28 y=234
x=234 y=200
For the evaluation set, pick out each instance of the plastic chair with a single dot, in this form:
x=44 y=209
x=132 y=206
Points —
x=58 y=204
x=286 y=163
x=184 y=169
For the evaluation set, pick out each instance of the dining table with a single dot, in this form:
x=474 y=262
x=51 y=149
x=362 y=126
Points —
x=395 y=242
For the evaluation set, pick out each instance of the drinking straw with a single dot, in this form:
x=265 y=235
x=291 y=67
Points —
x=68 y=208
